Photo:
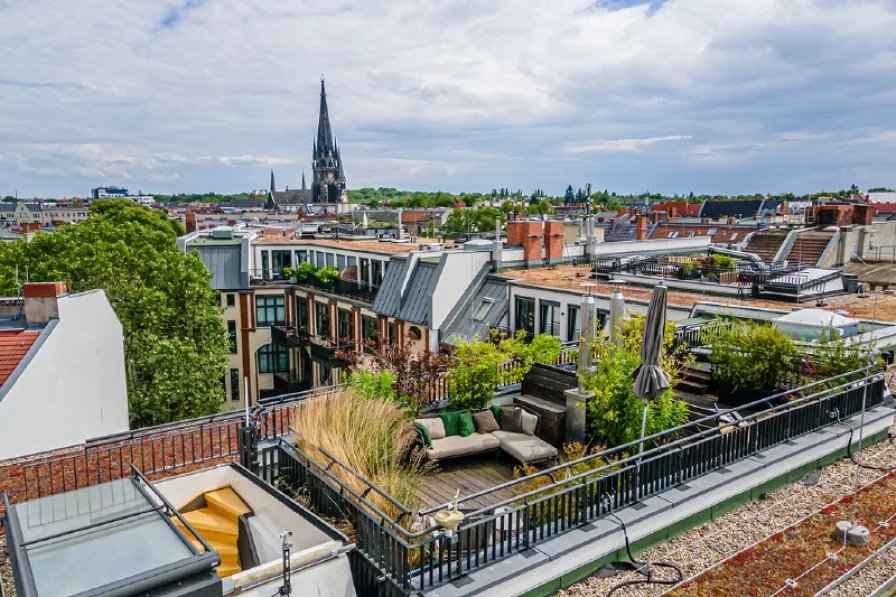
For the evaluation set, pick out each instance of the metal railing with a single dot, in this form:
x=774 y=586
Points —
x=157 y=451
x=414 y=560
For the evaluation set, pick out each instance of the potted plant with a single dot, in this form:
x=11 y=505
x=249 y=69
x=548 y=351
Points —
x=304 y=271
x=327 y=276
x=749 y=360
x=290 y=274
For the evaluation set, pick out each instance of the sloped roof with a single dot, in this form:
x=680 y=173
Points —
x=488 y=292
x=817 y=317
x=293 y=197
x=737 y=209
x=414 y=306
x=14 y=345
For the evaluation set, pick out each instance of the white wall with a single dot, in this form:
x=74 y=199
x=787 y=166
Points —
x=74 y=387
x=457 y=271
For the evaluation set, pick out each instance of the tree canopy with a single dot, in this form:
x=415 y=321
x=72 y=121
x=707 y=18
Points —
x=174 y=340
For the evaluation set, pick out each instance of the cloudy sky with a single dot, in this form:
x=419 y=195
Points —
x=715 y=96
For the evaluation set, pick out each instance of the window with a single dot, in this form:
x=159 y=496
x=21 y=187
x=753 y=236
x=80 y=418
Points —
x=414 y=333
x=376 y=274
x=573 y=330
x=301 y=257
x=331 y=260
x=673 y=234
x=525 y=315
x=301 y=313
x=365 y=272
x=322 y=320
x=368 y=331
x=280 y=260
x=391 y=334
x=734 y=236
x=231 y=300
x=269 y=310
x=345 y=326
x=265 y=263
x=320 y=259
x=482 y=309
x=231 y=332
x=273 y=358
x=235 y=385
x=340 y=262
x=550 y=318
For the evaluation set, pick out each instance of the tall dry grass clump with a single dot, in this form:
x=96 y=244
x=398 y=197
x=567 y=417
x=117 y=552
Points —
x=374 y=437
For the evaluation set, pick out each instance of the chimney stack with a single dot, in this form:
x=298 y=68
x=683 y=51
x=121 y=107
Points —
x=41 y=300
x=190 y=220
x=641 y=231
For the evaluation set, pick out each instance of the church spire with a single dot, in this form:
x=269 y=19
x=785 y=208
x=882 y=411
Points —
x=304 y=186
x=324 y=133
x=273 y=186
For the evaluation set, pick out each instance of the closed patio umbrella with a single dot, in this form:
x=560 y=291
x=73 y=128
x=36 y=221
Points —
x=650 y=379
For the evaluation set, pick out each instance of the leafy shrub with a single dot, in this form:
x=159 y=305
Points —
x=474 y=374
x=327 y=275
x=723 y=261
x=304 y=271
x=371 y=384
x=753 y=356
x=615 y=412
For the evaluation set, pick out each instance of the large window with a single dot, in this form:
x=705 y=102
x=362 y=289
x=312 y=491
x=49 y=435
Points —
x=392 y=337
x=273 y=358
x=525 y=314
x=301 y=313
x=550 y=318
x=573 y=328
x=231 y=299
x=376 y=268
x=280 y=260
x=322 y=320
x=340 y=262
x=235 y=385
x=363 y=274
x=231 y=333
x=345 y=326
x=269 y=310
x=368 y=331
x=265 y=265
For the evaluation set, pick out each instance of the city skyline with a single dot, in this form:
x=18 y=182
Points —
x=668 y=96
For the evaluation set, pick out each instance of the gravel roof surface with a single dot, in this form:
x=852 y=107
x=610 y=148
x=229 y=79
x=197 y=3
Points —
x=6 y=585
x=716 y=541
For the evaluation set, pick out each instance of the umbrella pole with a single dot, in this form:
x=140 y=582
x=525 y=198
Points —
x=640 y=451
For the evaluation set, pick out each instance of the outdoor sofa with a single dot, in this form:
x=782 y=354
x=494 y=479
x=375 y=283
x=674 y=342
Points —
x=519 y=441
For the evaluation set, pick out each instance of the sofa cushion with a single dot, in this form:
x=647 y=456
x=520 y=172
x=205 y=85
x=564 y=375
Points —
x=465 y=426
x=523 y=447
x=427 y=439
x=529 y=422
x=512 y=419
x=485 y=421
x=496 y=410
x=455 y=445
x=449 y=419
x=434 y=425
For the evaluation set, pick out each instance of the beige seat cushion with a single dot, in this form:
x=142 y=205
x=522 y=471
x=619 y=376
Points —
x=434 y=425
x=529 y=423
x=455 y=445
x=524 y=447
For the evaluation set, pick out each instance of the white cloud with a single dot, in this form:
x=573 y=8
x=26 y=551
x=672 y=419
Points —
x=151 y=88
x=620 y=145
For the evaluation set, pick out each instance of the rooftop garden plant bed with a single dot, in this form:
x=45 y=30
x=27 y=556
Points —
x=803 y=558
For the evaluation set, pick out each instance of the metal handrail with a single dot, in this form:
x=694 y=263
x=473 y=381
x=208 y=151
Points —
x=669 y=432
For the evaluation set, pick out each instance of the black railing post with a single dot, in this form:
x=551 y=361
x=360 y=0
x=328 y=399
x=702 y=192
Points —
x=248 y=447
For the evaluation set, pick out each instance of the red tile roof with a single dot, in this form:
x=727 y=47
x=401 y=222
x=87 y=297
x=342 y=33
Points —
x=14 y=345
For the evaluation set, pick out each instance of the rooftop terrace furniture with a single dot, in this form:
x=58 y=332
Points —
x=524 y=447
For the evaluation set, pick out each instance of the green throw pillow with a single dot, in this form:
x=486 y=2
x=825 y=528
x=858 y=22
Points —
x=496 y=410
x=465 y=426
x=425 y=432
x=449 y=419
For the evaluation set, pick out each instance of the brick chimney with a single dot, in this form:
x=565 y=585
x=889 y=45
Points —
x=655 y=217
x=553 y=239
x=532 y=241
x=732 y=220
x=621 y=211
x=40 y=300
x=190 y=222
x=641 y=231
x=673 y=213
x=516 y=230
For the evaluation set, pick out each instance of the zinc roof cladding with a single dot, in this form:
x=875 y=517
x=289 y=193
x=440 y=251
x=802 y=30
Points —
x=223 y=261
x=463 y=323
x=14 y=345
x=414 y=307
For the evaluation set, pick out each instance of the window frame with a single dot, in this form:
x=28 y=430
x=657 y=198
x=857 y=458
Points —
x=529 y=311
x=484 y=307
x=232 y=335
x=340 y=325
x=322 y=315
x=266 y=315
x=274 y=357
x=573 y=323
x=235 y=393
x=230 y=300
x=551 y=308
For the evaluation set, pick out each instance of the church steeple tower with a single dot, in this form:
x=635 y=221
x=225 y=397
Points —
x=304 y=186
x=329 y=177
x=273 y=185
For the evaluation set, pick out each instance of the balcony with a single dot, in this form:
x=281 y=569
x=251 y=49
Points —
x=290 y=383
x=328 y=352
x=289 y=336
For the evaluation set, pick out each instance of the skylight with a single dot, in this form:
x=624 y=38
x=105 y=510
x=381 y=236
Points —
x=711 y=231
x=482 y=309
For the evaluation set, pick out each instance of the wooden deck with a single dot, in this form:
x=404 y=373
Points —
x=470 y=475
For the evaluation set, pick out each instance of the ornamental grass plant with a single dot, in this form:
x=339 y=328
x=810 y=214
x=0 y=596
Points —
x=375 y=437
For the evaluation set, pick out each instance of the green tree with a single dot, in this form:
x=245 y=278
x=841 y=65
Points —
x=570 y=195
x=174 y=340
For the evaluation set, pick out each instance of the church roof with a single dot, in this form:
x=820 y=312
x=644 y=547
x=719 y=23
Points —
x=292 y=197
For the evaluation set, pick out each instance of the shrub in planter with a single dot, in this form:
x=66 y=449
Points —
x=304 y=271
x=327 y=276
x=750 y=359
